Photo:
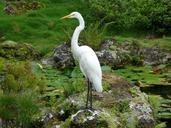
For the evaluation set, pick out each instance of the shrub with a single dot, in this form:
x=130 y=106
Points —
x=19 y=95
x=18 y=108
x=153 y=15
x=19 y=77
x=93 y=35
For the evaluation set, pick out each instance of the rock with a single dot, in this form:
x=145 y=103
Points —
x=9 y=44
x=62 y=57
x=11 y=49
x=118 y=55
x=113 y=54
x=124 y=105
x=57 y=126
x=47 y=119
x=142 y=108
x=84 y=118
x=155 y=56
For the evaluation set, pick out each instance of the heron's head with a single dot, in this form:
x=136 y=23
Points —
x=72 y=15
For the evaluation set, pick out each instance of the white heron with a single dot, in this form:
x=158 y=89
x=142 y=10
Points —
x=88 y=61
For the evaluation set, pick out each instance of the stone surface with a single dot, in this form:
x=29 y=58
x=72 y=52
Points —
x=113 y=54
x=84 y=118
x=62 y=57
x=123 y=105
x=155 y=56
x=119 y=55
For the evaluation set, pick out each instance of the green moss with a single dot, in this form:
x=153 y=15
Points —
x=122 y=106
x=133 y=91
x=110 y=120
x=106 y=86
x=2 y=63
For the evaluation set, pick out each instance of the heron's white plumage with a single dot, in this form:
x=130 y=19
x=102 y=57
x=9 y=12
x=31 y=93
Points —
x=89 y=63
x=90 y=67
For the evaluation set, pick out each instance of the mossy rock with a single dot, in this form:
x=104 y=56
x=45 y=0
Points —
x=87 y=119
x=119 y=105
x=14 y=50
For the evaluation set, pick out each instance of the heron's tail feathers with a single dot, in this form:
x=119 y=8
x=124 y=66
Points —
x=98 y=84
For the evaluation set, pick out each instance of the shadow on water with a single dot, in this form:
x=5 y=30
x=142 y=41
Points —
x=162 y=90
x=168 y=122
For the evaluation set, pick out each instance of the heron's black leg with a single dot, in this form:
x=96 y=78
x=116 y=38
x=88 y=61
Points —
x=88 y=90
x=91 y=98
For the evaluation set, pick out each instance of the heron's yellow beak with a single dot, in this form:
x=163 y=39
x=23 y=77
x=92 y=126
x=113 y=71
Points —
x=67 y=16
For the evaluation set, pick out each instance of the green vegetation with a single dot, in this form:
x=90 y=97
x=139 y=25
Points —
x=149 y=15
x=26 y=89
x=19 y=77
x=93 y=35
x=20 y=92
x=69 y=82
x=42 y=28
x=22 y=108
x=164 y=42
x=144 y=74
x=155 y=101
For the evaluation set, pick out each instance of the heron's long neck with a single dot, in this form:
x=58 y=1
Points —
x=74 y=40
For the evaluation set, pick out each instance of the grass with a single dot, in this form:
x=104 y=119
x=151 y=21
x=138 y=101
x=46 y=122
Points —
x=42 y=28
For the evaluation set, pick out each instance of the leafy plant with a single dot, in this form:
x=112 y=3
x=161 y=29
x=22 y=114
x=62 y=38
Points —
x=155 y=102
x=148 y=15
x=93 y=35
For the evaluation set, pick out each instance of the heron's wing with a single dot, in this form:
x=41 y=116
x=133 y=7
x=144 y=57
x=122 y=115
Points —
x=90 y=67
x=89 y=63
x=82 y=70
